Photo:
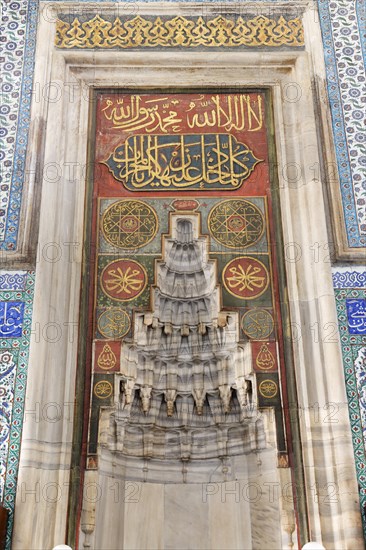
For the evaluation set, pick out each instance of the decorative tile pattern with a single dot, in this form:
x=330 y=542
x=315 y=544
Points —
x=20 y=25
x=349 y=301
x=360 y=370
x=343 y=278
x=13 y=376
x=346 y=80
x=7 y=378
x=13 y=280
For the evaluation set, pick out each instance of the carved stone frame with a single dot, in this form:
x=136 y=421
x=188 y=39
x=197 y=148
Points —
x=46 y=454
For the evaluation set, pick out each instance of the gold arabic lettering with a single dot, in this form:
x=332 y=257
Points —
x=239 y=114
x=231 y=112
x=107 y=359
x=136 y=117
x=124 y=281
x=245 y=280
x=182 y=161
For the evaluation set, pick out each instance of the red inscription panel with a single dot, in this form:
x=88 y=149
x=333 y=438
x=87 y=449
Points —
x=181 y=142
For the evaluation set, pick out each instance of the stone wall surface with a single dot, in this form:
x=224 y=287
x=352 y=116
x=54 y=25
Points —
x=341 y=24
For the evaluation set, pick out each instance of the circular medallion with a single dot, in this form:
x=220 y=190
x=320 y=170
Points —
x=257 y=324
x=114 y=323
x=236 y=223
x=103 y=389
x=245 y=277
x=268 y=389
x=123 y=280
x=129 y=224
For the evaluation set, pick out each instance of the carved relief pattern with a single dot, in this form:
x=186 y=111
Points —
x=179 y=32
x=193 y=335
x=20 y=33
x=185 y=355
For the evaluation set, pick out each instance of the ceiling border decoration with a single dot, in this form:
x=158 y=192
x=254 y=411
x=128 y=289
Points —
x=192 y=32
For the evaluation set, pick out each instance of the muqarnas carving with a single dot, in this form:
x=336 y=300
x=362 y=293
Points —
x=185 y=387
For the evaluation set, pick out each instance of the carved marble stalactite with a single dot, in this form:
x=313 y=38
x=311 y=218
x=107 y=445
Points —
x=184 y=390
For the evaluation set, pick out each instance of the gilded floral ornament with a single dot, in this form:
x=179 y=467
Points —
x=179 y=32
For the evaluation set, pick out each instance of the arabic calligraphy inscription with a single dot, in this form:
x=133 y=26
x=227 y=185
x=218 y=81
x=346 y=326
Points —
x=123 y=280
x=162 y=162
x=245 y=277
x=114 y=323
x=107 y=356
x=356 y=314
x=268 y=389
x=11 y=319
x=257 y=324
x=170 y=115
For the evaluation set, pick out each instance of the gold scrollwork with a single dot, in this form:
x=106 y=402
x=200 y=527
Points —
x=179 y=32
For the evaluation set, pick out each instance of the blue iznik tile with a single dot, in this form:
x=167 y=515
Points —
x=11 y=319
x=356 y=315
